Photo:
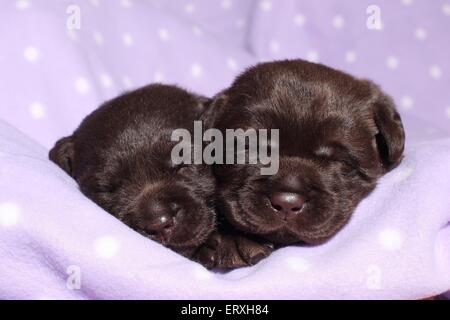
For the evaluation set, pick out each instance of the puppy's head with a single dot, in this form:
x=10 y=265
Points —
x=337 y=135
x=171 y=204
x=121 y=158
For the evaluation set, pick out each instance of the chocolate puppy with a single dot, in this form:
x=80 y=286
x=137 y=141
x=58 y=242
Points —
x=338 y=135
x=120 y=156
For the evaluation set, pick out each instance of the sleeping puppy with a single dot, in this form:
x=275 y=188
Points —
x=337 y=136
x=120 y=156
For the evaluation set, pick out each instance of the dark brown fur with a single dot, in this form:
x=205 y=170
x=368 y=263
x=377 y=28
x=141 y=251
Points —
x=121 y=158
x=338 y=135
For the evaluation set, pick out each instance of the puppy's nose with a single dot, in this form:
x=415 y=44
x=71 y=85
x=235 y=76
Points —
x=287 y=204
x=160 y=218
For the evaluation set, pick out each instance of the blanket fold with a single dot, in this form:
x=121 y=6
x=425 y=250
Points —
x=55 y=243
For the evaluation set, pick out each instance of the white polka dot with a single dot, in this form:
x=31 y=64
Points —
x=447 y=112
x=95 y=3
x=420 y=33
x=82 y=85
x=98 y=38
x=373 y=280
x=312 y=56
x=158 y=76
x=37 y=110
x=435 y=72
x=197 y=31
x=338 y=22
x=127 y=39
x=350 y=56
x=105 y=80
x=392 y=62
x=164 y=34
x=9 y=214
x=407 y=2
x=403 y=173
x=274 y=46
x=390 y=239
x=232 y=64
x=446 y=9
x=127 y=83
x=201 y=273
x=240 y=23
x=297 y=264
x=106 y=247
x=196 y=70
x=31 y=53
x=189 y=8
x=299 y=19
x=126 y=3
x=407 y=102
x=22 y=4
x=226 y=4
x=265 y=5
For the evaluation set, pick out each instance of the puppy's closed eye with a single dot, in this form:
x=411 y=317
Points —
x=337 y=153
x=108 y=187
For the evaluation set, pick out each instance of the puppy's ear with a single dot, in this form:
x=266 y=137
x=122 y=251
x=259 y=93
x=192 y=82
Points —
x=62 y=154
x=391 y=135
x=214 y=110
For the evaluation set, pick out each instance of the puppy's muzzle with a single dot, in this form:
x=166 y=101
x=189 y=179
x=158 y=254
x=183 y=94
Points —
x=161 y=219
x=287 y=205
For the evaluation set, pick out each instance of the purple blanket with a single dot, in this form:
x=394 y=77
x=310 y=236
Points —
x=55 y=243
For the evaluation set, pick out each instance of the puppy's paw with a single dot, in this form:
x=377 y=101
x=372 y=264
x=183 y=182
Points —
x=252 y=252
x=231 y=252
x=228 y=256
x=220 y=251
x=207 y=255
